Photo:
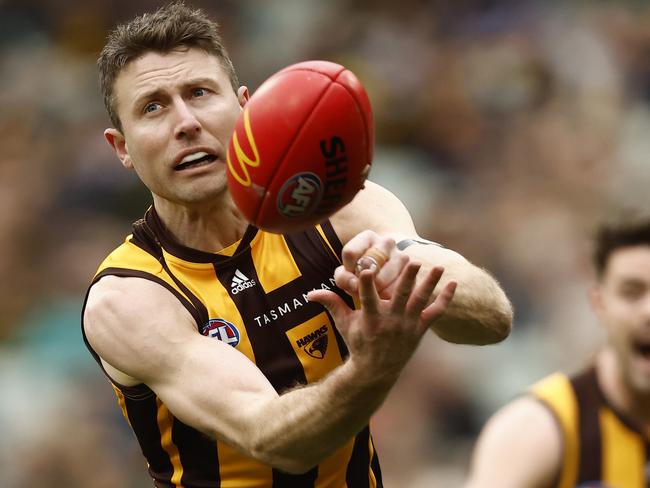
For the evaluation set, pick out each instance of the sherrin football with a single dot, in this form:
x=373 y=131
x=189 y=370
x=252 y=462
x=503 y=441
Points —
x=302 y=147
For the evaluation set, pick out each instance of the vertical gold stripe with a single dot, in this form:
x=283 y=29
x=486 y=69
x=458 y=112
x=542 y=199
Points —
x=214 y=293
x=165 y=424
x=331 y=471
x=322 y=233
x=556 y=391
x=273 y=262
x=371 y=475
x=122 y=403
x=237 y=470
x=623 y=452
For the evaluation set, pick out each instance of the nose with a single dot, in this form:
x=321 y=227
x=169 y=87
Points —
x=187 y=124
x=644 y=308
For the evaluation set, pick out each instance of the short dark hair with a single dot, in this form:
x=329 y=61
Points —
x=172 y=26
x=627 y=231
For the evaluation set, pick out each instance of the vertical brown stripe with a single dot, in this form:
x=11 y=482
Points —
x=589 y=400
x=308 y=244
x=304 y=247
x=198 y=456
x=142 y=415
x=357 y=471
x=165 y=424
x=374 y=465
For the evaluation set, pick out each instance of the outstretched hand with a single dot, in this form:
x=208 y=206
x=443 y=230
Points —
x=383 y=334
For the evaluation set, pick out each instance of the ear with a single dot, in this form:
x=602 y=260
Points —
x=242 y=95
x=118 y=143
x=596 y=299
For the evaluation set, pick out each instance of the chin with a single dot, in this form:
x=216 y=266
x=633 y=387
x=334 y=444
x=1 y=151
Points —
x=202 y=195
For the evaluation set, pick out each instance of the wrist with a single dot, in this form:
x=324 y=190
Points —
x=366 y=377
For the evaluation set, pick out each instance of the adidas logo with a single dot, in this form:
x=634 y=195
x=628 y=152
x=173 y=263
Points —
x=240 y=282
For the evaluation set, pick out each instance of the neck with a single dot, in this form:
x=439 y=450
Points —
x=204 y=227
x=629 y=401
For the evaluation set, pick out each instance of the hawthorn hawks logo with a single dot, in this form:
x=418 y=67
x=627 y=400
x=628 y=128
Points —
x=223 y=330
x=300 y=195
x=315 y=343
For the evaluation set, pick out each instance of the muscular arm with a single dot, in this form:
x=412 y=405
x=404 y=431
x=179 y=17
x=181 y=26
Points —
x=480 y=312
x=520 y=447
x=212 y=387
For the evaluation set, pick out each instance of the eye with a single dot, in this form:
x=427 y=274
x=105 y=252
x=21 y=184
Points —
x=151 y=107
x=631 y=292
x=198 y=92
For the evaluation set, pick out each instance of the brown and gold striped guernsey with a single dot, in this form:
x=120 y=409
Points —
x=601 y=448
x=251 y=295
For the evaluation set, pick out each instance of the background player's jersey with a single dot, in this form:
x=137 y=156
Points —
x=253 y=296
x=600 y=447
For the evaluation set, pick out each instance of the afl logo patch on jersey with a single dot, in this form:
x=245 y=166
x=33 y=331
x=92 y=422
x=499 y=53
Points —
x=223 y=330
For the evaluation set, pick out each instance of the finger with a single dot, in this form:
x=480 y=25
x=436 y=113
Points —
x=373 y=260
x=404 y=287
x=422 y=293
x=334 y=304
x=389 y=273
x=346 y=281
x=440 y=304
x=363 y=241
x=368 y=293
x=355 y=248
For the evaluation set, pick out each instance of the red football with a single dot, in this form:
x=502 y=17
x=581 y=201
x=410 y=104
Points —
x=301 y=148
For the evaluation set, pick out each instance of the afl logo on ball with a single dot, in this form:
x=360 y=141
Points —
x=300 y=195
x=223 y=330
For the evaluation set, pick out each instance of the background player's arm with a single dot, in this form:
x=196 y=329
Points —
x=214 y=388
x=480 y=312
x=519 y=447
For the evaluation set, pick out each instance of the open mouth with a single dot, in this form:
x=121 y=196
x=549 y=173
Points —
x=195 y=160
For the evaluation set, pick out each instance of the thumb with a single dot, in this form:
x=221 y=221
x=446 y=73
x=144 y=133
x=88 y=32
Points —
x=334 y=304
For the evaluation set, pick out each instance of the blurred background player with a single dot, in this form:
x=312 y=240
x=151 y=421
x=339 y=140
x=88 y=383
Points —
x=590 y=429
x=272 y=383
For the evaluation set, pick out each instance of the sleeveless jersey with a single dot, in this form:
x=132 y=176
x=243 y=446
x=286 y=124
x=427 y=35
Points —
x=601 y=448
x=253 y=296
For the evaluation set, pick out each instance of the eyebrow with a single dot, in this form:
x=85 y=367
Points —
x=632 y=282
x=148 y=95
x=160 y=92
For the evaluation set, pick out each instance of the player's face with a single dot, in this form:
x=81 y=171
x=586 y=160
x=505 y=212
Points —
x=622 y=301
x=178 y=111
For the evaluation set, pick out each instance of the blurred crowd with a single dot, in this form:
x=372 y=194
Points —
x=509 y=128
